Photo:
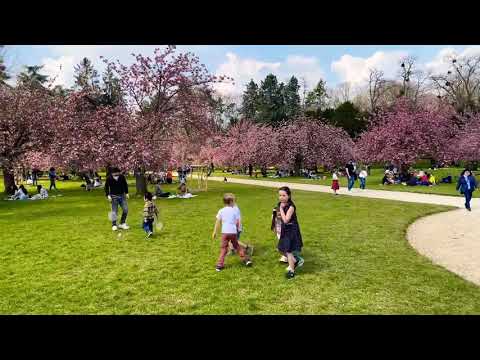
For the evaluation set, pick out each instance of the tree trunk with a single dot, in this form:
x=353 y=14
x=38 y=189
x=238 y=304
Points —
x=250 y=170
x=264 y=171
x=8 y=180
x=297 y=166
x=140 y=182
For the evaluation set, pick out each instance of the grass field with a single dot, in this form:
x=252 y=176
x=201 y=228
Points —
x=59 y=256
x=374 y=182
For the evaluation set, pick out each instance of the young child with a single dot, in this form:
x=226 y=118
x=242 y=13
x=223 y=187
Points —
x=363 y=178
x=150 y=211
x=248 y=249
x=228 y=218
x=290 y=242
x=335 y=184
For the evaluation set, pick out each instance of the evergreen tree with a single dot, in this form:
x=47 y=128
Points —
x=292 y=98
x=31 y=76
x=348 y=117
x=271 y=104
x=317 y=98
x=250 y=101
x=3 y=71
x=111 y=91
x=86 y=77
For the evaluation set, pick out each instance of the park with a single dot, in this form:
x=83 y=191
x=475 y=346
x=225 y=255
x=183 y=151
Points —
x=382 y=186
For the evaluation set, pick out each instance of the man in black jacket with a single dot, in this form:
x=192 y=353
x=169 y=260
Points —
x=116 y=190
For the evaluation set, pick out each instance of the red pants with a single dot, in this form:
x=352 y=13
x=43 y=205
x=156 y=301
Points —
x=230 y=238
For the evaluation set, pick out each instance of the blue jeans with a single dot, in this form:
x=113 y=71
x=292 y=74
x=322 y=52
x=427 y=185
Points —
x=362 y=183
x=116 y=201
x=468 y=197
x=351 y=182
x=148 y=225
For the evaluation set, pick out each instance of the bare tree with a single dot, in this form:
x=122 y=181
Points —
x=413 y=79
x=461 y=84
x=304 y=92
x=376 y=87
x=344 y=91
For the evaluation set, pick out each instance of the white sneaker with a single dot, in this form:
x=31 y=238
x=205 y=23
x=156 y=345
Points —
x=283 y=259
x=124 y=226
x=114 y=228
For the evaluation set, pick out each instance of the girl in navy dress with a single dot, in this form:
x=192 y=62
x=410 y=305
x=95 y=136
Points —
x=290 y=241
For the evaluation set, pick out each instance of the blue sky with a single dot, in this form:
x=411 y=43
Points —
x=334 y=64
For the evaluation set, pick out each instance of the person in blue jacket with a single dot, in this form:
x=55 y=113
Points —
x=467 y=185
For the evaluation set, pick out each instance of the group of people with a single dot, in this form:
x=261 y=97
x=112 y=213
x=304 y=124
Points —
x=228 y=221
x=353 y=174
x=21 y=193
x=284 y=225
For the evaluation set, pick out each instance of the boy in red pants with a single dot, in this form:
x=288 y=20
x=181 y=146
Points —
x=228 y=217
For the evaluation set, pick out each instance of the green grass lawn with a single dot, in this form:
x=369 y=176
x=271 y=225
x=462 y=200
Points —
x=59 y=256
x=374 y=182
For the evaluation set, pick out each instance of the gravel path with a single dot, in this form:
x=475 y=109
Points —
x=450 y=239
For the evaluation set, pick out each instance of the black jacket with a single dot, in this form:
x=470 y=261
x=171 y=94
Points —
x=116 y=187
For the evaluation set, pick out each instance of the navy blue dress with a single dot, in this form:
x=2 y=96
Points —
x=290 y=237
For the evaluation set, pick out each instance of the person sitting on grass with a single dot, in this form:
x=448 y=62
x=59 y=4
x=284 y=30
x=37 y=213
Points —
x=424 y=179
x=228 y=219
x=150 y=211
x=159 y=192
x=388 y=179
x=42 y=193
x=21 y=194
x=183 y=191
x=432 y=180
x=446 y=180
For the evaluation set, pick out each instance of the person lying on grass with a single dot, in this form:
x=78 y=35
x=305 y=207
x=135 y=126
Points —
x=228 y=219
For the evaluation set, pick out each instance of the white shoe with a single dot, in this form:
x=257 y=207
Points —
x=124 y=226
x=283 y=259
x=114 y=228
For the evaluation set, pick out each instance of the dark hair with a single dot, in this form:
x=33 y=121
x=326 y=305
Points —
x=52 y=169
x=289 y=193
x=466 y=169
x=148 y=196
x=115 y=170
x=23 y=189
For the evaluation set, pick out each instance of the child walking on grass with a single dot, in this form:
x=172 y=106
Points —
x=150 y=211
x=228 y=218
x=335 y=184
x=290 y=240
x=248 y=248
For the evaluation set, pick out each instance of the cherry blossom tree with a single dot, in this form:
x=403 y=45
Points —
x=407 y=133
x=307 y=143
x=27 y=120
x=466 y=144
x=166 y=98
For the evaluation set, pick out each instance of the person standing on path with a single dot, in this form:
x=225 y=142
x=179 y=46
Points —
x=53 y=177
x=351 y=175
x=467 y=185
x=116 y=190
x=363 y=178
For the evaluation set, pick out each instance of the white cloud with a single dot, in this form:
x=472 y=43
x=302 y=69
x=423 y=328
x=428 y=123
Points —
x=441 y=62
x=60 y=69
x=355 y=70
x=242 y=70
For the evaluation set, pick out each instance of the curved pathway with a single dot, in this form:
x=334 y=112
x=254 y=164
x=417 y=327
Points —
x=450 y=239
